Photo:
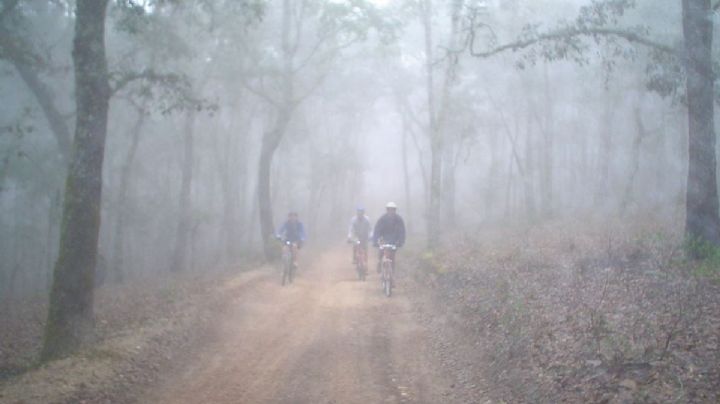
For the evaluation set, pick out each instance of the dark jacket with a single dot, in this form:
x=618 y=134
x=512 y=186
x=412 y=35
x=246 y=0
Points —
x=391 y=229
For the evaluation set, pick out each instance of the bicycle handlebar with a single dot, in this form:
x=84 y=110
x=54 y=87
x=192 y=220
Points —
x=286 y=242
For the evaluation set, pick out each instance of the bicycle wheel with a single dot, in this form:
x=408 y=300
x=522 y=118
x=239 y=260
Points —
x=386 y=283
x=286 y=269
x=364 y=265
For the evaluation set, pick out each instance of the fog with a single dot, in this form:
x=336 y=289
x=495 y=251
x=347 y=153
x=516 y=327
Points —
x=471 y=115
x=525 y=138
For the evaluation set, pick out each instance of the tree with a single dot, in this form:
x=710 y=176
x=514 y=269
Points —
x=184 y=226
x=599 y=21
x=70 y=315
x=702 y=222
x=117 y=265
x=336 y=26
x=434 y=131
x=22 y=55
x=438 y=88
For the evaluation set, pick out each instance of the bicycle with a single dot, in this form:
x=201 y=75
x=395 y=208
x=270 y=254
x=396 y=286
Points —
x=387 y=267
x=360 y=252
x=288 y=262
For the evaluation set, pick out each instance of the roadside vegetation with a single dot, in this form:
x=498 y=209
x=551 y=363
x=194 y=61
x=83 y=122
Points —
x=569 y=311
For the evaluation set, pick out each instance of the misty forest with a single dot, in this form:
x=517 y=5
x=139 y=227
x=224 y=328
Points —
x=359 y=201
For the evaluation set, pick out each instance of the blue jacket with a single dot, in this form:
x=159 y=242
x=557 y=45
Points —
x=292 y=231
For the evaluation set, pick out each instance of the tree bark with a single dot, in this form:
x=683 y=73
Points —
x=180 y=254
x=451 y=142
x=436 y=144
x=117 y=267
x=70 y=313
x=602 y=193
x=529 y=167
x=406 y=171
x=702 y=223
x=232 y=180
x=449 y=191
x=640 y=134
x=548 y=149
x=270 y=143
x=271 y=139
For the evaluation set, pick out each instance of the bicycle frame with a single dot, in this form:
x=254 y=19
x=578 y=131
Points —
x=289 y=254
x=360 y=259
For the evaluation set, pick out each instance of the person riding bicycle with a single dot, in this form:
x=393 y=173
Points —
x=390 y=229
x=292 y=231
x=359 y=230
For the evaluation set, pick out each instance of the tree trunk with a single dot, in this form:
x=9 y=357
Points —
x=702 y=223
x=406 y=172
x=232 y=179
x=548 y=150
x=54 y=209
x=449 y=191
x=231 y=205
x=270 y=143
x=180 y=254
x=448 y=188
x=117 y=267
x=436 y=144
x=70 y=313
x=509 y=188
x=529 y=169
x=271 y=140
x=602 y=194
x=634 y=160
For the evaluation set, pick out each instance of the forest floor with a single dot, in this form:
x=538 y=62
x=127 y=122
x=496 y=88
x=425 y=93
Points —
x=606 y=312
x=542 y=314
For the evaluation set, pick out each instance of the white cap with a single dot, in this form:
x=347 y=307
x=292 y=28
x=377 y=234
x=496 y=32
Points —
x=391 y=205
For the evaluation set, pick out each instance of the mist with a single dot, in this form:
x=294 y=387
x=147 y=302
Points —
x=543 y=155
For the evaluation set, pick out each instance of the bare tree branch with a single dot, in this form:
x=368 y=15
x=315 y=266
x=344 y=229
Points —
x=123 y=80
x=270 y=100
x=571 y=33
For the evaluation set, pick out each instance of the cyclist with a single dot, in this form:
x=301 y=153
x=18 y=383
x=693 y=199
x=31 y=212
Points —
x=359 y=230
x=390 y=229
x=293 y=231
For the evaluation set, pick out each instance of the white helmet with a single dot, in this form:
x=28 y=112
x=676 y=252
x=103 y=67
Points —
x=391 y=205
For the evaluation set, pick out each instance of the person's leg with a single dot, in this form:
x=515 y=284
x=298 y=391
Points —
x=364 y=253
x=354 y=253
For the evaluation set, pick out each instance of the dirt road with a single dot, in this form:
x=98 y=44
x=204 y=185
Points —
x=327 y=338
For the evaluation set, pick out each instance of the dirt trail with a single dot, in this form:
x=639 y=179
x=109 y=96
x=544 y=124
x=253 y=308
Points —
x=327 y=338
